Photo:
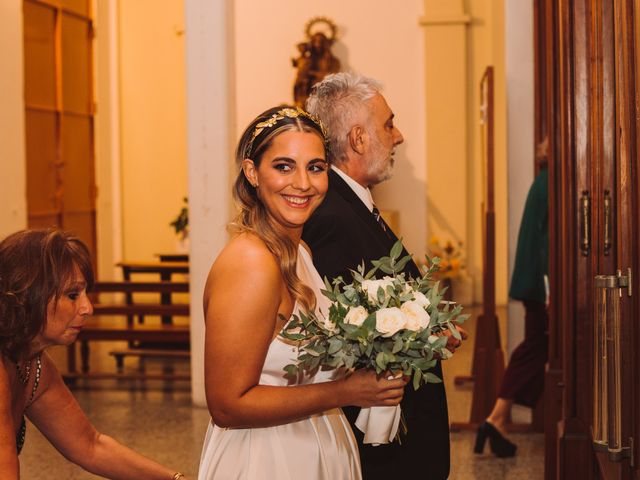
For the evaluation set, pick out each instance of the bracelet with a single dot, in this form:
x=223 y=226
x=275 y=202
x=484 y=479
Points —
x=177 y=476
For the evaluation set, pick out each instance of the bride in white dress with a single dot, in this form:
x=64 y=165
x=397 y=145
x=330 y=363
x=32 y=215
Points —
x=262 y=426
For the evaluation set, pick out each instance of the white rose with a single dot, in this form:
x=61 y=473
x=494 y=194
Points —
x=421 y=299
x=417 y=316
x=326 y=323
x=390 y=321
x=370 y=287
x=356 y=316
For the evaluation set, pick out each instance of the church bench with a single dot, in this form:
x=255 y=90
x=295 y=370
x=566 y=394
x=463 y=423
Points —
x=113 y=321
x=143 y=354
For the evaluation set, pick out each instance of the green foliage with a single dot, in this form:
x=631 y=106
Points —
x=334 y=343
x=181 y=222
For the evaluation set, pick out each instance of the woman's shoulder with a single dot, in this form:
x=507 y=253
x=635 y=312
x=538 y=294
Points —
x=246 y=253
x=304 y=245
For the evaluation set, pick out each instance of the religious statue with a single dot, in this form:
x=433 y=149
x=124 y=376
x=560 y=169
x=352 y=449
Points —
x=316 y=60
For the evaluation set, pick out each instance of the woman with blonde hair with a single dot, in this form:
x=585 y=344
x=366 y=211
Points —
x=262 y=425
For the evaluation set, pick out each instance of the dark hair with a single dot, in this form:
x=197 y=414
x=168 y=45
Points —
x=253 y=216
x=35 y=267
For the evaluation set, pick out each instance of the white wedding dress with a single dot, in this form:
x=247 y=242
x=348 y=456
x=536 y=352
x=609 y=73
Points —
x=319 y=447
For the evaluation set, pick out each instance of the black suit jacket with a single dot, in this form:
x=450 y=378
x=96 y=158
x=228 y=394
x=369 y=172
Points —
x=342 y=233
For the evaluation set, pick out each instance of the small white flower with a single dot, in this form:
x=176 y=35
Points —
x=417 y=316
x=390 y=321
x=370 y=287
x=356 y=316
x=421 y=299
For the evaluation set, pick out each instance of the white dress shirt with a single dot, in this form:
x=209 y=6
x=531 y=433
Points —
x=363 y=193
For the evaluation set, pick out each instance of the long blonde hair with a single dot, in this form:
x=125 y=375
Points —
x=253 y=216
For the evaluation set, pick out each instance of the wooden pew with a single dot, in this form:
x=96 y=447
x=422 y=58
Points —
x=164 y=269
x=113 y=322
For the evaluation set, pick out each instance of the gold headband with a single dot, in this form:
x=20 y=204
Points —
x=272 y=121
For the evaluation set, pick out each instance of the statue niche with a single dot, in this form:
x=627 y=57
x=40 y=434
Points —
x=315 y=60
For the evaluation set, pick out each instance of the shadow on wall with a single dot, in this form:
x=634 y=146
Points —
x=410 y=202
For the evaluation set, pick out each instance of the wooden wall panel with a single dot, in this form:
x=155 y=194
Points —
x=79 y=7
x=78 y=172
x=39 y=55
x=42 y=180
x=76 y=65
x=59 y=116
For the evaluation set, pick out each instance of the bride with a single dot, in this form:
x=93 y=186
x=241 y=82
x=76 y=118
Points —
x=263 y=426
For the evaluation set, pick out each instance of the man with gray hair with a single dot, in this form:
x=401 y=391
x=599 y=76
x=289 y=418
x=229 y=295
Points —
x=347 y=229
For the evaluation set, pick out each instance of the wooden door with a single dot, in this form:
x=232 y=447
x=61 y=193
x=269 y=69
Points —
x=587 y=103
x=58 y=69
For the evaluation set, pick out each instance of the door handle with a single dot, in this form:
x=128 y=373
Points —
x=585 y=215
x=607 y=222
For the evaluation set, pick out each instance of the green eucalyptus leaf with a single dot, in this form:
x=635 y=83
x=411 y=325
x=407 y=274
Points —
x=397 y=345
x=387 y=269
x=400 y=264
x=293 y=336
x=380 y=295
x=432 y=378
x=454 y=331
x=417 y=376
x=380 y=361
x=369 y=350
x=371 y=273
x=335 y=345
x=357 y=277
x=291 y=372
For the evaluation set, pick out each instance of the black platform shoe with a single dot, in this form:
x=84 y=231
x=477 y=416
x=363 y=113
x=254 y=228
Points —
x=500 y=446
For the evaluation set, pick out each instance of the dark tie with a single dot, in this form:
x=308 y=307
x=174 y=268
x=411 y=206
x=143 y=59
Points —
x=379 y=219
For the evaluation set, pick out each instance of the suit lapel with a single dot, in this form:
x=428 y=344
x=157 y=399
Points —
x=337 y=184
x=341 y=187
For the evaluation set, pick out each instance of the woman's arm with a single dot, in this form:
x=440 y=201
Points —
x=242 y=297
x=9 y=465
x=58 y=416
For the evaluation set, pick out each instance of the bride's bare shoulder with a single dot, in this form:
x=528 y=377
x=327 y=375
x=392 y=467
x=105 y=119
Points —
x=247 y=253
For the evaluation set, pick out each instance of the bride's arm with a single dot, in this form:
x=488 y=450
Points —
x=242 y=297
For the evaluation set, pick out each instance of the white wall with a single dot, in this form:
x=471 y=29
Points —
x=209 y=82
x=520 y=141
x=376 y=38
x=107 y=141
x=13 y=182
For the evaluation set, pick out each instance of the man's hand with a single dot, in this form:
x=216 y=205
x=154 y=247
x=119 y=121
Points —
x=453 y=343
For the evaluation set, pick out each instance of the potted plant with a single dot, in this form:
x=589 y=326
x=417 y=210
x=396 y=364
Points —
x=451 y=263
x=181 y=227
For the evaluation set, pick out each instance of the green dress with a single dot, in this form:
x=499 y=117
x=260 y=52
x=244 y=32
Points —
x=532 y=252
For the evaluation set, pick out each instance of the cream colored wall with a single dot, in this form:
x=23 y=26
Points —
x=376 y=39
x=462 y=39
x=152 y=124
x=520 y=117
x=107 y=139
x=487 y=48
x=13 y=186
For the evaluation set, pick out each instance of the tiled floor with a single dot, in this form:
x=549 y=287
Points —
x=165 y=426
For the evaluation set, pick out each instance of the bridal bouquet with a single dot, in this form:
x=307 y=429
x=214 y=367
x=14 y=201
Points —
x=392 y=324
